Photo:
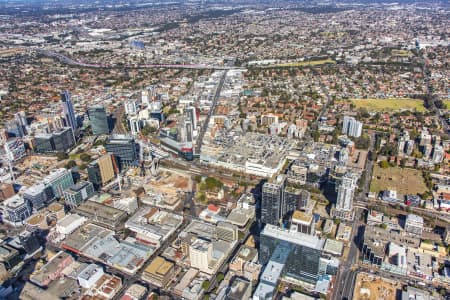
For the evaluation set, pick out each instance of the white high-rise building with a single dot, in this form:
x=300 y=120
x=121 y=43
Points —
x=351 y=127
x=438 y=154
x=345 y=193
x=200 y=254
x=130 y=107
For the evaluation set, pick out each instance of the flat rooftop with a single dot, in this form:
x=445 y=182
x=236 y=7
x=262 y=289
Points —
x=298 y=238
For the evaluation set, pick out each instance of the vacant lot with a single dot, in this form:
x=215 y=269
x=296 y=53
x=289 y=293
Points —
x=390 y=104
x=369 y=287
x=404 y=181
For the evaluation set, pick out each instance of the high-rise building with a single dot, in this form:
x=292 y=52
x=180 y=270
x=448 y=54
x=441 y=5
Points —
x=39 y=195
x=58 y=141
x=191 y=113
x=21 y=121
x=272 y=194
x=189 y=131
x=292 y=198
x=59 y=180
x=130 y=107
x=351 y=127
x=69 y=113
x=79 y=192
x=63 y=139
x=345 y=193
x=201 y=254
x=279 y=200
x=99 y=120
x=135 y=124
x=289 y=254
x=438 y=154
x=102 y=170
x=124 y=149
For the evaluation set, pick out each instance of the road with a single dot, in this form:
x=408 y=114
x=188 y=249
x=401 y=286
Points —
x=439 y=114
x=315 y=125
x=70 y=61
x=212 y=110
x=345 y=278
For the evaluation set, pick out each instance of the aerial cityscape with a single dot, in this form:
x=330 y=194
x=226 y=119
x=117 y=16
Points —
x=225 y=149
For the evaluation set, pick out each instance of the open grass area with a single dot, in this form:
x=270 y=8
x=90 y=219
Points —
x=447 y=103
x=404 y=181
x=390 y=104
x=401 y=53
x=305 y=63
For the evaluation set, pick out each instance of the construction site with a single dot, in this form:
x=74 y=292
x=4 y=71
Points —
x=371 y=287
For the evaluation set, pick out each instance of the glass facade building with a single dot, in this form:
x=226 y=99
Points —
x=124 y=149
x=303 y=259
x=98 y=120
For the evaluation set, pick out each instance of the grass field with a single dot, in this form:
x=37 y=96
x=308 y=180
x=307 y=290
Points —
x=404 y=181
x=447 y=103
x=305 y=63
x=401 y=53
x=390 y=104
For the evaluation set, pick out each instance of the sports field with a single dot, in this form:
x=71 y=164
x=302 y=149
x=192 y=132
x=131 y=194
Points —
x=390 y=104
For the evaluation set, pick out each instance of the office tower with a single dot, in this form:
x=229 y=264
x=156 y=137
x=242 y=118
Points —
x=29 y=242
x=292 y=254
x=63 y=139
x=43 y=143
x=272 y=194
x=102 y=170
x=58 y=141
x=78 y=193
x=438 y=154
x=17 y=209
x=59 y=180
x=124 y=149
x=15 y=149
x=69 y=113
x=345 y=193
x=98 y=120
x=39 y=195
x=351 y=127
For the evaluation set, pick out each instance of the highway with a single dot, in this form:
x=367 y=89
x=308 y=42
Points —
x=212 y=110
x=70 y=61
